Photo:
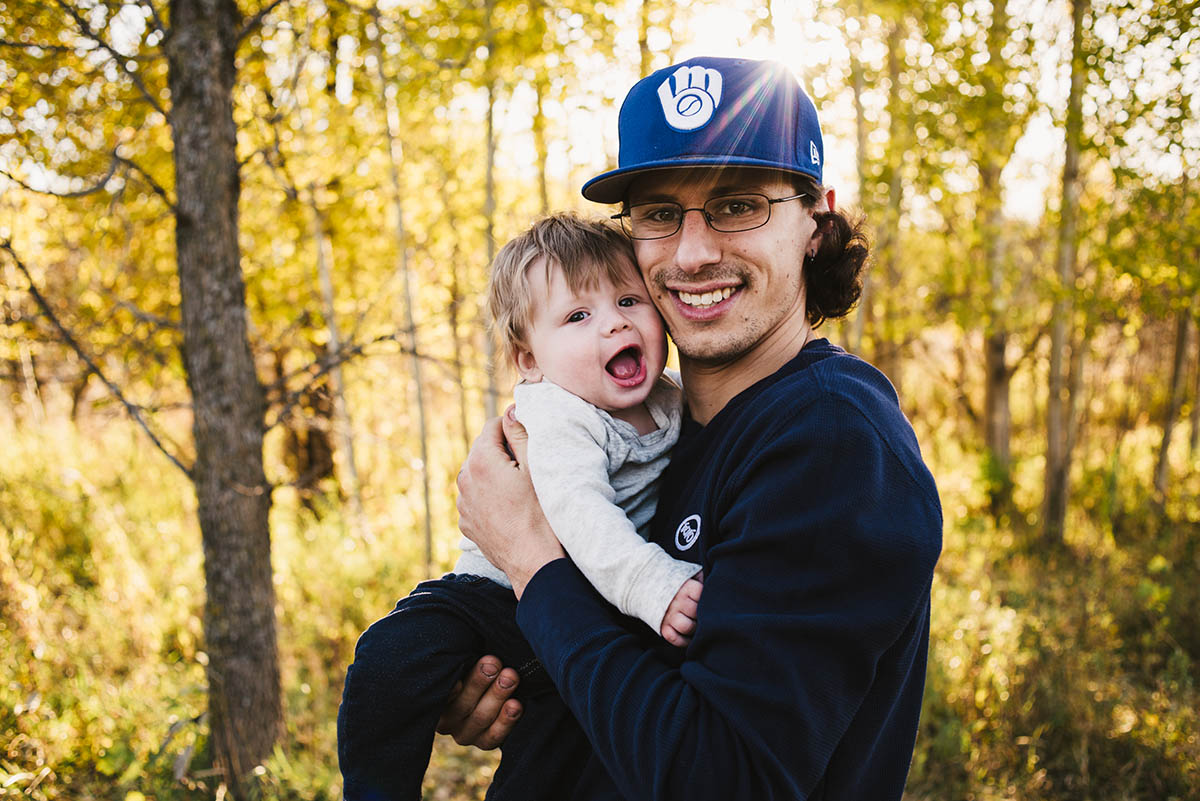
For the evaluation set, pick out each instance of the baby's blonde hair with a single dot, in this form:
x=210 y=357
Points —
x=585 y=249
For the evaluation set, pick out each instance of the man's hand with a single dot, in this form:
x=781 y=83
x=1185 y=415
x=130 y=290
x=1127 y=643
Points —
x=497 y=508
x=481 y=711
x=679 y=622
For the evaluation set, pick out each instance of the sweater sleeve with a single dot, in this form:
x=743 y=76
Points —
x=568 y=464
x=803 y=607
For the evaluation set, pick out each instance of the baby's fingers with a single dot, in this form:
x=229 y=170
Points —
x=673 y=636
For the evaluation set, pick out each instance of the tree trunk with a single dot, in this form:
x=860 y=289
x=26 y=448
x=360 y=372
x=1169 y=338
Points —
x=1162 y=467
x=1059 y=401
x=232 y=495
x=540 y=86
x=490 y=398
x=859 y=324
x=342 y=422
x=888 y=347
x=395 y=158
x=1194 y=438
x=30 y=386
x=997 y=149
x=453 y=309
x=644 y=56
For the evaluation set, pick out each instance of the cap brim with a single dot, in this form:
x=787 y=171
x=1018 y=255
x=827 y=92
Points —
x=612 y=186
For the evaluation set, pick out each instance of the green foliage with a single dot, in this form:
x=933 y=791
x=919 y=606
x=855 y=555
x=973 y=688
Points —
x=102 y=687
x=1066 y=674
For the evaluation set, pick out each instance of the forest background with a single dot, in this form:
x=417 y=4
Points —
x=242 y=250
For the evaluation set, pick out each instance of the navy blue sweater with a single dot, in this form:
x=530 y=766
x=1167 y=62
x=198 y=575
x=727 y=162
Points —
x=817 y=524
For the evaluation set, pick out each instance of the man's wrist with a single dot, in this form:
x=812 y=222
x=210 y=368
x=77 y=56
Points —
x=520 y=583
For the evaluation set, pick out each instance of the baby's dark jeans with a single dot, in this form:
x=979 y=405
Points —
x=404 y=667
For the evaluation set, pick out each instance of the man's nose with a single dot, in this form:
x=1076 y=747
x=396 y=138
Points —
x=697 y=245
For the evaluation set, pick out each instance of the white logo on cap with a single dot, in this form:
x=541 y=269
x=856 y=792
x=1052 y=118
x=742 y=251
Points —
x=812 y=151
x=687 y=533
x=697 y=93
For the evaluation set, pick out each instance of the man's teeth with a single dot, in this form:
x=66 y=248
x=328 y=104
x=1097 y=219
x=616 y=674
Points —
x=706 y=298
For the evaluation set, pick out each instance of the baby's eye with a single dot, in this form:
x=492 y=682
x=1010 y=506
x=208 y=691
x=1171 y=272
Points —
x=577 y=317
x=628 y=300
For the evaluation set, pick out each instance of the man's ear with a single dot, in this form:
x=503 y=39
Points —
x=814 y=245
x=527 y=366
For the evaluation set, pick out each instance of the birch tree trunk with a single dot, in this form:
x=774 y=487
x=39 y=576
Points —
x=998 y=374
x=1059 y=401
x=1183 y=324
x=490 y=405
x=644 y=54
x=888 y=348
x=233 y=499
x=1194 y=437
x=342 y=422
x=541 y=86
x=453 y=314
x=858 y=326
x=395 y=158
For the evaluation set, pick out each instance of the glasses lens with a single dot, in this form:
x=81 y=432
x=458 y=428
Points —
x=730 y=213
x=654 y=220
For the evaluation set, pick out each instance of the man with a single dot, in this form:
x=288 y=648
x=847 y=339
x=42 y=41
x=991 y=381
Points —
x=797 y=485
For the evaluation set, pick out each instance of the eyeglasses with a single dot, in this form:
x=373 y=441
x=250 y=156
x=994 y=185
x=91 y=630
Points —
x=726 y=214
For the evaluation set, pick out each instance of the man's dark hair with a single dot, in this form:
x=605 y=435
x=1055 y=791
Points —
x=833 y=277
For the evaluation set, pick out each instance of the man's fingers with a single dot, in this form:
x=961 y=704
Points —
x=483 y=711
x=466 y=694
x=515 y=435
x=494 y=735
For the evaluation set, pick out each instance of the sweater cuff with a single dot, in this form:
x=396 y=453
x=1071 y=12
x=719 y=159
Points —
x=558 y=610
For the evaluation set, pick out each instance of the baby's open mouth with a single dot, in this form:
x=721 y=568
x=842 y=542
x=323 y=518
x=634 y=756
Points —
x=626 y=364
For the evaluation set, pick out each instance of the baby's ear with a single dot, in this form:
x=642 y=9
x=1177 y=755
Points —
x=527 y=365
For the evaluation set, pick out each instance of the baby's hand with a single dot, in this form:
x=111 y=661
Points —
x=680 y=620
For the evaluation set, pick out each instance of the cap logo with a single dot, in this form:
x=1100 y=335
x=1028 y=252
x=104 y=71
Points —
x=693 y=99
x=812 y=152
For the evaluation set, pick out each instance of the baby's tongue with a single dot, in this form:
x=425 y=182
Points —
x=624 y=365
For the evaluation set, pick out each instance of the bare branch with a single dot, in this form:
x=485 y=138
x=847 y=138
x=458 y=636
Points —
x=44 y=305
x=120 y=59
x=159 y=25
x=147 y=317
x=96 y=187
x=149 y=179
x=325 y=364
x=49 y=48
x=101 y=182
x=255 y=21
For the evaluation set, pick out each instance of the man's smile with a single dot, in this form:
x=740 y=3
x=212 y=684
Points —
x=704 y=299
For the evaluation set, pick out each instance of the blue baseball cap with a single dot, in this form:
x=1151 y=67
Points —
x=713 y=112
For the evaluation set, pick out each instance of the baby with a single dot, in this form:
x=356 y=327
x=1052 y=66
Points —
x=577 y=322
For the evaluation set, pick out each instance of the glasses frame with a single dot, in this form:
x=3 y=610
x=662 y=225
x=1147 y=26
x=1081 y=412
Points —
x=625 y=216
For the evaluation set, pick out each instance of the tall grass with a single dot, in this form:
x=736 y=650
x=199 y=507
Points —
x=102 y=688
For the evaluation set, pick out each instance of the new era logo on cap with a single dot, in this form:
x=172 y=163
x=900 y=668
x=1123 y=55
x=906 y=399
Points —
x=714 y=112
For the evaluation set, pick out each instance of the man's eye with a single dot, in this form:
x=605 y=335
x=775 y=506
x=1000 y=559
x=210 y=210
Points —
x=577 y=317
x=734 y=207
x=656 y=214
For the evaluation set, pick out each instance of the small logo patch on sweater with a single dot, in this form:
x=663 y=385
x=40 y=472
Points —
x=687 y=533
